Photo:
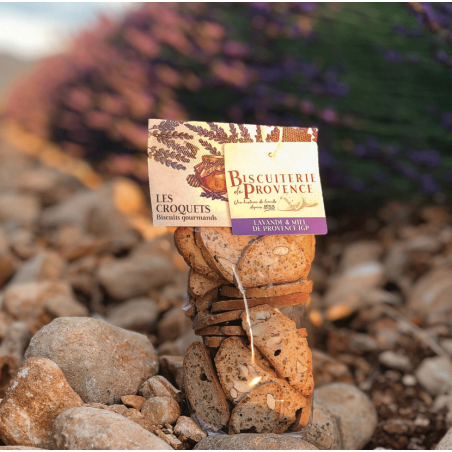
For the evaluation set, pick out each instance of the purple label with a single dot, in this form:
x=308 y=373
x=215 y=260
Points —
x=279 y=226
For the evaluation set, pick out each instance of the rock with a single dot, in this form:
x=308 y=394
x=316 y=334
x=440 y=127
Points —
x=135 y=416
x=395 y=360
x=135 y=276
x=7 y=266
x=101 y=362
x=173 y=325
x=19 y=208
x=159 y=386
x=328 y=370
x=92 y=429
x=161 y=410
x=119 y=409
x=36 y=396
x=187 y=427
x=430 y=296
x=133 y=401
x=46 y=265
x=37 y=303
x=85 y=206
x=324 y=431
x=356 y=413
x=253 y=441
x=139 y=314
x=360 y=343
x=172 y=368
x=360 y=252
x=435 y=374
x=19 y=448
x=16 y=340
x=446 y=441
x=9 y=366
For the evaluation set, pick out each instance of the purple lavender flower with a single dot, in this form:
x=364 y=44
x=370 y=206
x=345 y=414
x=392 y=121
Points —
x=429 y=185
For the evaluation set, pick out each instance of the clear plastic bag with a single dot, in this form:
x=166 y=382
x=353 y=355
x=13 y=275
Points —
x=256 y=316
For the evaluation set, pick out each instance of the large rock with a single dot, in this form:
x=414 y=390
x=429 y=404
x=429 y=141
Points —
x=135 y=275
x=446 y=441
x=435 y=374
x=101 y=362
x=37 y=303
x=138 y=314
x=19 y=208
x=324 y=431
x=46 y=265
x=253 y=441
x=430 y=296
x=356 y=413
x=36 y=396
x=15 y=341
x=93 y=429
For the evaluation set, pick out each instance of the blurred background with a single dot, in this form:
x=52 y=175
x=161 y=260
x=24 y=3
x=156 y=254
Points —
x=78 y=83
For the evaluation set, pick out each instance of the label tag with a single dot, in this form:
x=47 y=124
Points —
x=190 y=186
x=274 y=188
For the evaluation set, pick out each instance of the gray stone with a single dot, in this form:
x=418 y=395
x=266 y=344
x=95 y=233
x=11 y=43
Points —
x=16 y=340
x=19 y=208
x=395 y=360
x=135 y=275
x=45 y=265
x=430 y=296
x=101 y=362
x=138 y=314
x=253 y=441
x=36 y=396
x=161 y=410
x=356 y=413
x=186 y=426
x=324 y=431
x=446 y=441
x=37 y=303
x=435 y=374
x=93 y=429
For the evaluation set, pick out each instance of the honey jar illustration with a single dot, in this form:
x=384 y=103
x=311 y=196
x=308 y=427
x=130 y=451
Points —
x=209 y=175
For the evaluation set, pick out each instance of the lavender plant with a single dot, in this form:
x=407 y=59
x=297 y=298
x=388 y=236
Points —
x=374 y=78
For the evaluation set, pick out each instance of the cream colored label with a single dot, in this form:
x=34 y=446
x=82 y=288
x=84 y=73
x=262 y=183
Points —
x=274 y=188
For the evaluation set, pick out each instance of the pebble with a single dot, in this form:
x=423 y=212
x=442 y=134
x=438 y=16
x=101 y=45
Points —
x=159 y=386
x=119 y=409
x=446 y=441
x=93 y=429
x=173 y=325
x=435 y=374
x=19 y=208
x=187 y=427
x=356 y=413
x=324 y=431
x=135 y=416
x=360 y=343
x=16 y=340
x=36 y=396
x=409 y=380
x=138 y=314
x=253 y=441
x=9 y=366
x=328 y=370
x=161 y=410
x=46 y=265
x=135 y=275
x=172 y=367
x=430 y=295
x=37 y=303
x=85 y=349
x=133 y=401
x=395 y=360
